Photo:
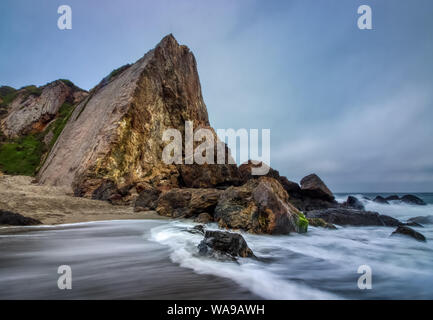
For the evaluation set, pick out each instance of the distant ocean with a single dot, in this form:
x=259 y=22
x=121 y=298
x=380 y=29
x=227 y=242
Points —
x=426 y=196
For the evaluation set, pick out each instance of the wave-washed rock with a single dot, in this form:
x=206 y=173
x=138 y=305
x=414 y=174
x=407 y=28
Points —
x=226 y=243
x=353 y=217
x=406 y=231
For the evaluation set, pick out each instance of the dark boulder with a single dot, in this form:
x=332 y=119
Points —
x=353 y=202
x=353 y=217
x=209 y=175
x=198 y=229
x=392 y=198
x=314 y=187
x=308 y=203
x=147 y=200
x=411 y=199
x=303 y=201
x=227 y=243
x=245 y=170
x=259 y=206
x=380 y=199
x=404 y=230
x=109 y=191
x=16 y=219
x=422 y=219
x=187 y=202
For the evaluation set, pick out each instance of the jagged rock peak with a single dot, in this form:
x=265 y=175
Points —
x=113 y=140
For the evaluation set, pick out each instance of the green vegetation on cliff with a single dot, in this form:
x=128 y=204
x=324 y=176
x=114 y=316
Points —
x=7 y=95
x=59 y=124
x=22 y=156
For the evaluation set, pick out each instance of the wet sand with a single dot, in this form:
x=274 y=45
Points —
x=108 y=259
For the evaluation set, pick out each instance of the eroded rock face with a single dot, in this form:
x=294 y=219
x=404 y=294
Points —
x=314 y=187
x=353 y=217
x=32 y=109
x=116 y=133
x=187 y=202
x=259 y=206
x=147 y=199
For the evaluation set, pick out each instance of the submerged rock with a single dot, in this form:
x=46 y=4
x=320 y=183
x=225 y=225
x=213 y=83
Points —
x=198 y=229
x=392 y=198
x=422 y=219
x=413 y=224
x=228 y=243
x=319 y=222
x=353 y=202
x=16 y=219
x=411 y=199
x=353 y=217
x=380 y=199
x=259 y=206
x=404 y=230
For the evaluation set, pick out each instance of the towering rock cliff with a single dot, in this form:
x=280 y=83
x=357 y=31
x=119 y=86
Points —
x=114 y=139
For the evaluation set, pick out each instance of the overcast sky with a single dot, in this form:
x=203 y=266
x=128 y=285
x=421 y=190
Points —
x=354 y=106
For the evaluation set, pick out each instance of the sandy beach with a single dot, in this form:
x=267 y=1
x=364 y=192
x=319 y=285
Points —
x=52 y=205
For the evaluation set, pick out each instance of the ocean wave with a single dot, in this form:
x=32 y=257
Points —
x=250 y=274
x=321 y=264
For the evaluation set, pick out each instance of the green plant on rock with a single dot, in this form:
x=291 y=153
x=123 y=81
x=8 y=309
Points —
x=302 y=223
x=21 y=156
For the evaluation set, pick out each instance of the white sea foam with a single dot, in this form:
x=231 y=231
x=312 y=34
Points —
x=321 y=264
x=248 y=273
